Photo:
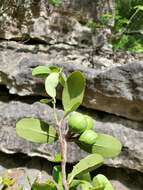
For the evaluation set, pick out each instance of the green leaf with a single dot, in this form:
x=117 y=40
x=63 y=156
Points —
x=57 y=175
x=84 y=176
x=57 y=157
x=55 y=2
x=44 y=186
x=51 y=83
x=44 y=70
x=41 y=70
x=85 y=147
x=73 y=92
x=85 y=165
x=101 y=182
x=62 y=79
x=107 y=146
x=8 y=181
x=1 y=180
x=84 y=185
x=45 y=101
x=139 y=7
x=33 y=130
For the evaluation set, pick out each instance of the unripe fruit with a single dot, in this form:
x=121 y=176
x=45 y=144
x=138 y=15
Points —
x=77 y=123
x=88 y=137
x=90 y=122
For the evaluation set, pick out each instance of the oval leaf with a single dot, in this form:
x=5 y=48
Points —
x=41 y=70
x=73 y=92
x=35 y=131
x=51 y=83
x=107 y=146
x=44 y=70
x=85 y=165
x=101 y=182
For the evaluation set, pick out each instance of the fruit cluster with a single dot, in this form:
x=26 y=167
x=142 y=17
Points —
x=82 y=125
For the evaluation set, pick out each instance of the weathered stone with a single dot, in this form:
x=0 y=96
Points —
x=117 y=88
x=123 y=179
x=128 y=132
x=40 y=20
x=23 y=170
x=19 y=167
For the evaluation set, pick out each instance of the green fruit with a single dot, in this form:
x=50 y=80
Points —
x=88 y=137
x=90 y=122
x=77 y=123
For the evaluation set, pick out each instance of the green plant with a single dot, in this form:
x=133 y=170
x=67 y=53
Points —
x=6 y=182
x=128 y=28
x=77 y=123
x=55 y=2
x=72 y=126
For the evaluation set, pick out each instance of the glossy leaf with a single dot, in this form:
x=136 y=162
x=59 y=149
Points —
x=33 y=130
x=51 y=83
x=57 y=175
x=73 y=92
x=85 y=165
x=44 y=70
x=107 y=146
x=101 y=182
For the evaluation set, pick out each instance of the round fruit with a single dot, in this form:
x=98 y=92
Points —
x=90 y=122
x=88 y=137
x=77 y=123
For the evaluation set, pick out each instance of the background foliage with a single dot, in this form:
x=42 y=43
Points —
x=128 y=22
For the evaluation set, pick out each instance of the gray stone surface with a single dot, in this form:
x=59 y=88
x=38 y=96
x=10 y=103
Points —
x=35 y=33
x=113 y=88
x=128 y=132
x=40 y=20
x=23 y=170
x=19 y=167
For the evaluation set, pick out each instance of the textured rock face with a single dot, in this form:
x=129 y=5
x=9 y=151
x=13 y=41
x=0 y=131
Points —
x=35 y=33
x=125 y=130
x=117 y=88
x=38 y=19
x=37 y=168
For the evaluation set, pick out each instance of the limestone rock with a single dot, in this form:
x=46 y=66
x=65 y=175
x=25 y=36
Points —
x=50 y=24
x=128 y=132
x=113 y=88
x=19 y=167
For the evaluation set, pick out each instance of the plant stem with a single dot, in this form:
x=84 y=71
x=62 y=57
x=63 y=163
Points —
x=54 y=108
x=63 y=145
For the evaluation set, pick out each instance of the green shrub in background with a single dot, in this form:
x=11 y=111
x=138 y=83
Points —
x=55 y=2
x=128 y=29
x=73 y=126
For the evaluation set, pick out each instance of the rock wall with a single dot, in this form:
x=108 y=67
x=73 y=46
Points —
x=36 y=33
